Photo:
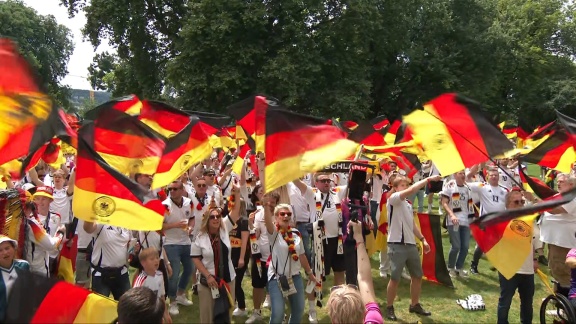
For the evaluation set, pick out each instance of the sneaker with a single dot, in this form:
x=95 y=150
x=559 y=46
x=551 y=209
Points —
x=542 y=260
x=390 y=313
x=419 y=310
x=312 y=316
x=452 y=273
x=256 y=316
x=266 y=301
x=383 y=274
x=173 y=310
x=462 y=273
x=239 y=312
x=474 y=269
x=182 y=300
x=406 y=275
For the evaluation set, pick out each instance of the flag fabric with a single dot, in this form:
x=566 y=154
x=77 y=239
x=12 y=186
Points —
x=455 y=133
x=67 y=260
x=182 y=151
x=506 y=244
x=125 y=143
x=104 y=195
x=28 y=117
x=569 y=124
x=390 y=136
x=555 y=152
x=381 y=242
x=433 y=262
x=297 y=144
x=365 y=134
x=130 y=105
x=37 y=299
x=536 y=186
x=380 y=122
x=51 y=153
x=163 y=118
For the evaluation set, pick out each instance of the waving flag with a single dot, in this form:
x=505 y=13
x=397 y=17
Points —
x=455 y=133
x=433 y=262
x=555 y=152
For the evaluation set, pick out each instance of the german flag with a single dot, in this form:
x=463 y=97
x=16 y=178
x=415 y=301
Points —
x=250 y=114
x=126 y=143
x=163 y=118
x=455 y=133
x=365 y=134
x=433 y=263
x=536 y=186
x=182 y=151
x=104 y=195
x=506 y=244
x=67 y=260
x=298 y=144
x=540 y=134
x=28 y=118
x=555 y=152
x=36 y=299
x=130 y=105
x=244 y=149
x=390 y=137
x=569 y=124
x=380 y=122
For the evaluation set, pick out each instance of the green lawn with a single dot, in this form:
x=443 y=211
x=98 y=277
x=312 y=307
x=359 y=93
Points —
x=440 y=300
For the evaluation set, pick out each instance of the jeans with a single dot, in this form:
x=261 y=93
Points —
x=420 y=196
x=305 y=240
x=477 y=255
x=178 y=254
x=117 y=286
x=460 y=241
x=525 y=285
x=277 y=302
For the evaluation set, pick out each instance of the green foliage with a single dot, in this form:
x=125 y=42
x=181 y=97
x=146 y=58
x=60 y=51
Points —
x=43 y=42
x=338 y=58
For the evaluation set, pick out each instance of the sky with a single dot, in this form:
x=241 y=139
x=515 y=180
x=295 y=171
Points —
x=83 y=50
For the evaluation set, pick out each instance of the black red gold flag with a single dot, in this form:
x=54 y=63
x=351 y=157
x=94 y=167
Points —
x=249 y=113
x=367 y=135
x=536 y=186
x=555 y=152
x=380 y=122
x=130 y=105
x=163 y=118
x=104 y=195
x=455 y=133
x=28 y=117
x=297 y=144
x=126 y=143
x=433 y=262
x=37 y=299
x=182 y=151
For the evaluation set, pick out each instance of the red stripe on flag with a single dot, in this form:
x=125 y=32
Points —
x=61 y=292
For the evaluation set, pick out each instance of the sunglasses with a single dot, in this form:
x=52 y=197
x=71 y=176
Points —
x=201 y=185
x=215 y=216
x=324 y=180
x=342 y=286
x=284 y=214
x=173 y=189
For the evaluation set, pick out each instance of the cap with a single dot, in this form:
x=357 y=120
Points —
x=44 y=191
x=27 y=186
x=4 y=238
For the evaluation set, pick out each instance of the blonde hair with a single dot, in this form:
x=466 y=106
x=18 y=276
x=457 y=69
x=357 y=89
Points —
x=281 y=206
x=147 y=253
x=345 y=305
x=206 y=218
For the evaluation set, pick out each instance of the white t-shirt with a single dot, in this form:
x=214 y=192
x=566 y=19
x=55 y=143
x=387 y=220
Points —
x=400 y=220
x=202 y=247
x=151 y=239
x=155 y=282
x=560 y=229
x=460 y=201
x=214 y=191
x=301 y=203
x=492 y=199
x=333 y=207
x=198 y=214
x=178 y=236
x=307 y=179
x=84 y=238
x=528 y=265
x=228 y=184
x=281 y=262
x=377 y=183
x=111 y=243
x=507 y=180
x=62 y=205
x=260 y=225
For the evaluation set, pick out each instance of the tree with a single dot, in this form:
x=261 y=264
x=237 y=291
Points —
x=43 y=42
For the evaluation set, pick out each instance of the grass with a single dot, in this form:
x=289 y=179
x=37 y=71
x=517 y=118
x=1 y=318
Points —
x=440 y=300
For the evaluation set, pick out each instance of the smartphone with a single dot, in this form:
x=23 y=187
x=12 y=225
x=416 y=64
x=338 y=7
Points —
x=215 y=293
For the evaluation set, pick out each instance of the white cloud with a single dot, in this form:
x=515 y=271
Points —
x=83 y=50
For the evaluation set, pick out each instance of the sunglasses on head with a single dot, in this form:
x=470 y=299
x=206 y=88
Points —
x=342 y=286
x=201 y=185
x=284 y=214
x=324 y=180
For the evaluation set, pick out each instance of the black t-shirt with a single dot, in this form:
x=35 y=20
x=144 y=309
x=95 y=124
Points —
x=236 y=241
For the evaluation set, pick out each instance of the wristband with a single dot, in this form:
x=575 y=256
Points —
x=358 y=243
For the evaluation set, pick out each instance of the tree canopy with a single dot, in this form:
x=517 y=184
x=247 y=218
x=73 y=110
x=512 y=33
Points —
x=43 y=42
x=338 y=58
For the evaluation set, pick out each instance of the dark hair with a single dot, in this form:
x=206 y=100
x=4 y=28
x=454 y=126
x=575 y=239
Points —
x=254 y=197
x=140 y=305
